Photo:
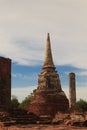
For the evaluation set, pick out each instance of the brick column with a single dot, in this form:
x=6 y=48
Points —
x=72 y=91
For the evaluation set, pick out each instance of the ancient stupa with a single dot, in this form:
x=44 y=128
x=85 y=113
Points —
x=49 y=97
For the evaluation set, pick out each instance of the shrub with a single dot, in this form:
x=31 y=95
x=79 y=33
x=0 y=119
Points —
x=81 y=105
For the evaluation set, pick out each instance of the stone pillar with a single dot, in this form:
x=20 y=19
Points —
x=72 y=91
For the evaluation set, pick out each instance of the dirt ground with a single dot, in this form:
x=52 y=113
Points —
x=43 y=127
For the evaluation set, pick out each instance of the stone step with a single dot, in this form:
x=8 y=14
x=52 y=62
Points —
x=25 y=116
x=23 y=119
x=23 y=122
x=45 y=119
x=7 y=123
x=44 y=122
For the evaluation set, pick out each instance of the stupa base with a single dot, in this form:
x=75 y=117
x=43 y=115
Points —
x=48 y=103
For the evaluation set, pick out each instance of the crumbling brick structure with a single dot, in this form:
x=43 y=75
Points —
x=5 y=83
x=49 y=97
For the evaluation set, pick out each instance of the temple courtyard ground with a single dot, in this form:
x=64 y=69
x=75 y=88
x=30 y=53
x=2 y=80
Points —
x=43 y=127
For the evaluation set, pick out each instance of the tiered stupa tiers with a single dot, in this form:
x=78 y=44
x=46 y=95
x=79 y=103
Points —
x=49 y=97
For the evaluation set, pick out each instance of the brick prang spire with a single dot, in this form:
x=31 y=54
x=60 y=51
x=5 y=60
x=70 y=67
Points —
x=48 y=62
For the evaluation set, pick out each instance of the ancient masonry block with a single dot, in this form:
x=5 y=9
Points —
x=72 y=91
x=5 y=83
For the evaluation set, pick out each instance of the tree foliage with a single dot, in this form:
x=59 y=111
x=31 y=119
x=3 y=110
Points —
x=81 y=105
x=14 y=102
x=25 y=103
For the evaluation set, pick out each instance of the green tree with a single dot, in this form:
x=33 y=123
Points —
x=81 y=105
x=14 y=102
x=25 y=103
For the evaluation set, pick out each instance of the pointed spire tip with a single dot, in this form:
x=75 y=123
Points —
x=48 y=62
x=48 y=36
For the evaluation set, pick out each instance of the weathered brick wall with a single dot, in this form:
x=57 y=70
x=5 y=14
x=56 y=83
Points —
x=5 y=82
x=48 y=103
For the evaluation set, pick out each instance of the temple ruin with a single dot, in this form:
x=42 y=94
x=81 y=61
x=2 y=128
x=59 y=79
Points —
x=49 y=97
x=48 y=105
x=5 y=83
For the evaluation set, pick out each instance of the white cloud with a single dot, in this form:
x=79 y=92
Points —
x=82 y=93
x=31 y=20
x=82 y=73
x=20 y=75
x=23 y=92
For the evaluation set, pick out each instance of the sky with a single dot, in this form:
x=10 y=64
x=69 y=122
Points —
x=24 y=25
